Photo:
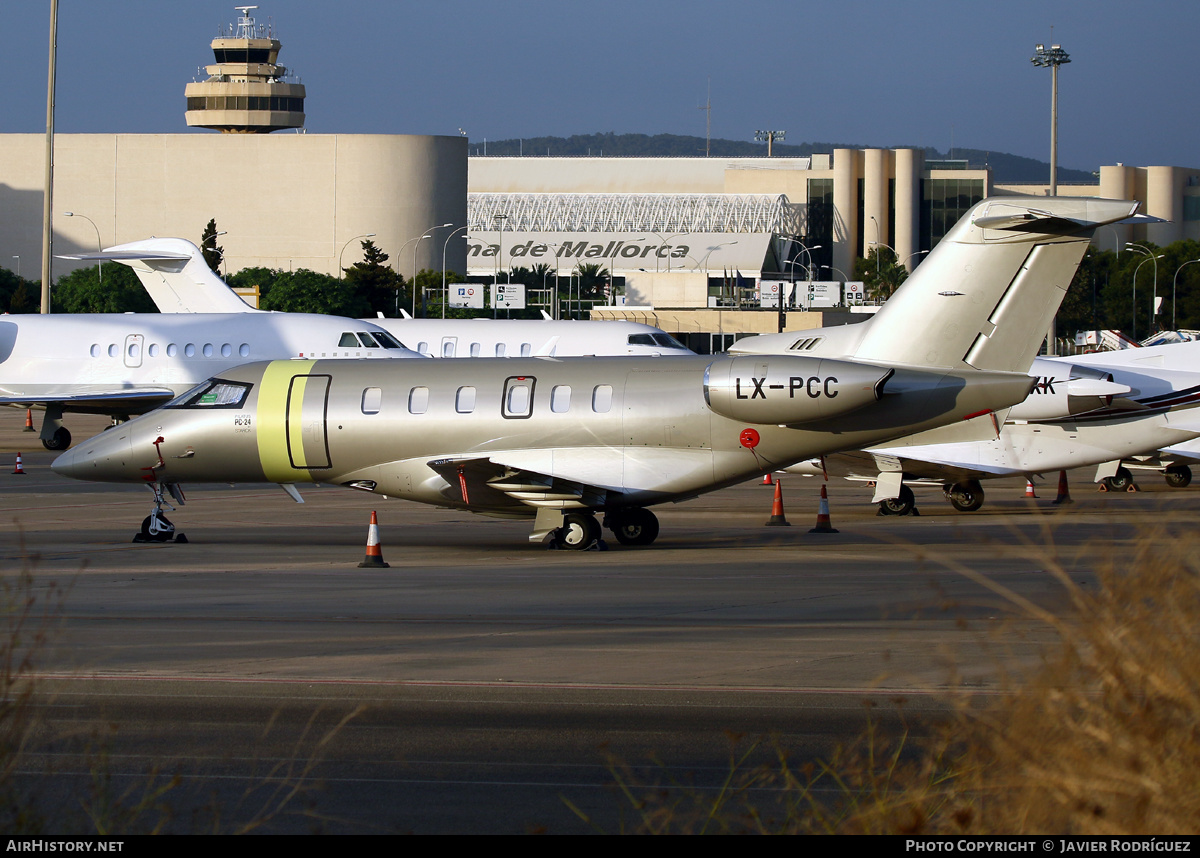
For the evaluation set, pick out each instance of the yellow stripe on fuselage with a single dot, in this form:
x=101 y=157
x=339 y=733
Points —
x=276 y=416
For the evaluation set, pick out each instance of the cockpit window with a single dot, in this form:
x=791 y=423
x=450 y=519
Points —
x=665 y=341
x=348 y=341
x=214 y=393
x=368 y=340
x=387 y=340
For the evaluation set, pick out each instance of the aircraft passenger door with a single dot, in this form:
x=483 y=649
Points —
x=305 y=418
x=133 y=350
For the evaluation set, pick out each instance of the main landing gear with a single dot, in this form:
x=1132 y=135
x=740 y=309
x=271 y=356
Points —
x=1178 y=476
x=966 y=496
x=905 y=504
x=156 y=527
x=59 y=440
x=1119 y=482
x=580 y=531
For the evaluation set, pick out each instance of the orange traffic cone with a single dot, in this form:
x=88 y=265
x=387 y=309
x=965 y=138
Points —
x=28 y=419
x=767 y=479
x=823 y=523
x=374 y=558
x=777 y=519
x=18 y=469
x=1029 y=492
x=1064 y=493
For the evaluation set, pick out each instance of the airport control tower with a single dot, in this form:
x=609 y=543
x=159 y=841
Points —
x=245 y=92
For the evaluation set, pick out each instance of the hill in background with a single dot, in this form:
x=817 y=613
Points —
x=1005 y=168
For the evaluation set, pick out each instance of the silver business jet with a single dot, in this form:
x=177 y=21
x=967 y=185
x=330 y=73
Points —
x=560 y=439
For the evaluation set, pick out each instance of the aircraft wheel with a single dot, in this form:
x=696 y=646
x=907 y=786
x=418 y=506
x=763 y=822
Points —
x=1178 y=476
x=966 y=497
x=634 y=526
x=902 y=505
x=165 y=532
x=1120 y=482
x=60 y=441
x=579 y=530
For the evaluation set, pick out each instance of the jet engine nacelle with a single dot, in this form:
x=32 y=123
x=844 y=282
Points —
x=1063 y=390
x=786 y=389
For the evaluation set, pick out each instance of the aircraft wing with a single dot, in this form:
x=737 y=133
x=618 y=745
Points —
x=135 y=400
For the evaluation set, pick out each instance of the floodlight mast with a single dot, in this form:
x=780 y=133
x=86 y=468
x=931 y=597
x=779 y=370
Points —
x=769 y=137
x=1052 y=57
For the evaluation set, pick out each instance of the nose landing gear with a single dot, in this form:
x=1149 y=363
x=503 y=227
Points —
x=156 y=527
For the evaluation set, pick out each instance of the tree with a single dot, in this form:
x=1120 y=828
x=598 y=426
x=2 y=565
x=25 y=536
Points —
x=82 y=291
x=213 y=254
x=250 y=279
x=880 y=272
x=593 y=279
x=305 y=291
x=17 y=294
x=374 y=282
x=429 y=286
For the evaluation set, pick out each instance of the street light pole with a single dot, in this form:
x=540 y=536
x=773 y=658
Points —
x=446 y=244
x=1142 y=249
x=341 y=271
x=99 y=246
x=1175 y=283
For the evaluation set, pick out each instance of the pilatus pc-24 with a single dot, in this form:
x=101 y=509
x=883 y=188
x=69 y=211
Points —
x=558 y=440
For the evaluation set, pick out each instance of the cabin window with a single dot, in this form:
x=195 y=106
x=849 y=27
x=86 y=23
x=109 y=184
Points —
x=348 y=341
x=423 y=348
x=518 y=396
x=560 y=398
x=112 y=350
x=474 y=349
x=371 y=399
x=189 y=350
x=448 y=348
x=172 y=350
x=208 y=350
x=226 y=350
x=244 y=350
x=500 y=350
x=418 y=400
x=134 y=350
x=152 y=350
x=602 y=398
x=526 y=349
x=95 y=350
x=464 y=400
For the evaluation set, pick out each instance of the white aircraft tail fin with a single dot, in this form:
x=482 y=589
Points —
x=985 y=296
x=175 y=274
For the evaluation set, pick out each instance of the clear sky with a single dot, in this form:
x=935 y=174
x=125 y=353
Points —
x=923 y=72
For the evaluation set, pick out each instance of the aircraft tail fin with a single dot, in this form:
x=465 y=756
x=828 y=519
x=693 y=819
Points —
x=985 y=296
x=175 y=274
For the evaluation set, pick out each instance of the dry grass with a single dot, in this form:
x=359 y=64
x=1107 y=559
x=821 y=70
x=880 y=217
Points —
x=1103 y=739
x=34 y=801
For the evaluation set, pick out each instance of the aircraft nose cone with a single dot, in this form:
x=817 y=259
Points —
x=105 y=457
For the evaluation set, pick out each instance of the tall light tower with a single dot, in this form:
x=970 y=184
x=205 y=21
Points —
x=769 y=137
x=1052 y=57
